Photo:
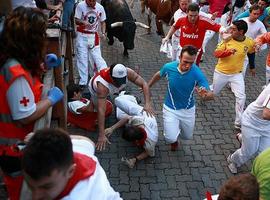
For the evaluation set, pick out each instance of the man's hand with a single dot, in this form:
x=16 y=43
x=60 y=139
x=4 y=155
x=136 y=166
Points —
x=108 y=132
x=149 y=110
x=205 y=94
x=101 y=143
x=214 y=15
x=252 y=72
x=257 y=48
x=103 y=36
x=54 y=18
x=28 y=137
x=164 y=40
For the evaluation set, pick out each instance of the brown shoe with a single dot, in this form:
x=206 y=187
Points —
x=174 y=146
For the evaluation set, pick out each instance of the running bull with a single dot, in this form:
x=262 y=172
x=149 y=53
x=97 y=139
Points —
x=120 y=23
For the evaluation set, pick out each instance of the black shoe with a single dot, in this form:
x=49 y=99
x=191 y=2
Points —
x=82 y=87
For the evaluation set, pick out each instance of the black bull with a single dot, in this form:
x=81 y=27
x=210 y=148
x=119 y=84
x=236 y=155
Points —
x=120 y=23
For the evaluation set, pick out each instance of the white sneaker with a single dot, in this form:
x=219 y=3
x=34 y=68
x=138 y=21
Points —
x=129 y=162
x=237 y=126
x=123 y=92
x=211 y=87
x=232 y=167
x=239 y=137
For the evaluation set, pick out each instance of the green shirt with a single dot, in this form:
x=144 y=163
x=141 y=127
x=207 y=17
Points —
x=261 y=169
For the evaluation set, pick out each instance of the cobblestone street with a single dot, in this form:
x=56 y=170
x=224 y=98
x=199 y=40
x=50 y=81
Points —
x=199 y=164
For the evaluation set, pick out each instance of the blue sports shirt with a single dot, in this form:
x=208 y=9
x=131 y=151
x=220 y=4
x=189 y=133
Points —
x=181 y=85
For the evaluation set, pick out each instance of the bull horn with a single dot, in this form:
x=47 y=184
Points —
x=116 y=24
x=142 y=25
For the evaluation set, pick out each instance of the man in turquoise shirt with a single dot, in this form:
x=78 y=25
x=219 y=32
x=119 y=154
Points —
x=179 y=109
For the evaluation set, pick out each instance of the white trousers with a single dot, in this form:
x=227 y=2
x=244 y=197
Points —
x=84 y=55
x=245 y=66
x=209 y=35
x=178 y=123
x=127 y=105
x=253 y=142
x=238 y=88
x=176 y=49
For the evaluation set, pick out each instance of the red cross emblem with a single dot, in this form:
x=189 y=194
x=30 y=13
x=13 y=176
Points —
x=24 y=101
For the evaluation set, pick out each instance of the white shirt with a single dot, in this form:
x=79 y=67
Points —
x=73 y=106
x=96 y=187
x=254 y=111
x=178 y=14
x=93 y=16
x=254 y=29
x=150 y=125
x=93 y=85
x=21 y=99
x=224 y=20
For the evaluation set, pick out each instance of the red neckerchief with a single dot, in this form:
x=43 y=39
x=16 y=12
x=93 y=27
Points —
x=84 y=100
x=105 y=74
x=208 y=195
x=85 y=167
x=141 y=141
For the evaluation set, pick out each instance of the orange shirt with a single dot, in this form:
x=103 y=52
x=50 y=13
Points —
x=263 y=39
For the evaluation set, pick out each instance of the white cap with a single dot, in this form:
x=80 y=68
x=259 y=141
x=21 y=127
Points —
x=119 y=74
x=119 y=71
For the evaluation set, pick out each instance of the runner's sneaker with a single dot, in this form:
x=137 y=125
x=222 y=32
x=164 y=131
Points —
x=211 y=87
x=237 y=126
x=129 y=162
x=232 y=167
x=239 y=138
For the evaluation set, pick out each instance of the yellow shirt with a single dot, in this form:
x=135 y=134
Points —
x=233 y=63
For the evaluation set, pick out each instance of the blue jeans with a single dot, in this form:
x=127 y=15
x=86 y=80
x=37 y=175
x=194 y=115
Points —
x=67 y=12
